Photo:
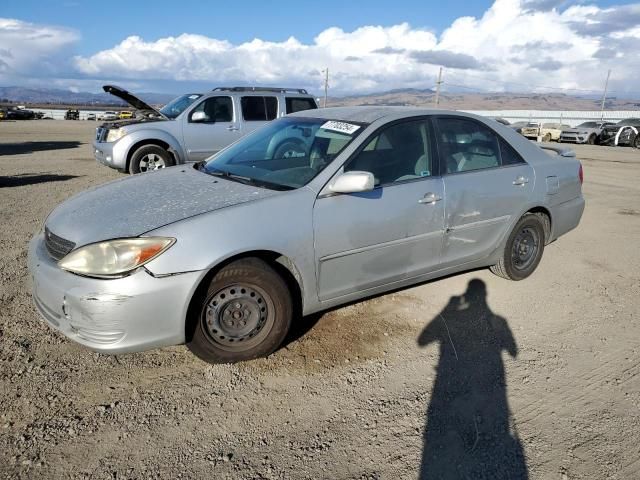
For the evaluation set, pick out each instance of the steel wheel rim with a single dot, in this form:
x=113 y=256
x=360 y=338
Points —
x=238 y=317
x=525 y=248
x=151 y=161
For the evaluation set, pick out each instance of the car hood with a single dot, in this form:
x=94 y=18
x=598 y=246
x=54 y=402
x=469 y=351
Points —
x=131 y=99
x=138 y=204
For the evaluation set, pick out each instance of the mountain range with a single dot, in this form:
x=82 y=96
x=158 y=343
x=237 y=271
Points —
x=406 y=96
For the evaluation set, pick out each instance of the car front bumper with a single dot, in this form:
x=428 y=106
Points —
x=114 y=316
x=574 y=138
x=111 y=154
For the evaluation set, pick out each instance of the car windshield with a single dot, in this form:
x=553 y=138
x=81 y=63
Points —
x=285 y=154
x=588 y=125
x=178 y=105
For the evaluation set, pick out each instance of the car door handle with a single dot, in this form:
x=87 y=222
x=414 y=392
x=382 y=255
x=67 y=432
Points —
x=232 y=128
x=520 y=181
x=430 y=198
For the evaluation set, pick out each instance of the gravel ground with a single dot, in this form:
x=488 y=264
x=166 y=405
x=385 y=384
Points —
x=378 y=389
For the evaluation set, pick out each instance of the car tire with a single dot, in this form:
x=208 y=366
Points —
x=244 y=314
x=290 y=148
x=592 y=139
x=148 y=158
x=546 y=137
x=523 y=249
x=636 y=141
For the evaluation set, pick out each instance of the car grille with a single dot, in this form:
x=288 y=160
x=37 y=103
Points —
x=57 y=246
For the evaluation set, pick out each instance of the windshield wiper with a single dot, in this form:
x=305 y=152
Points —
x=246 y=180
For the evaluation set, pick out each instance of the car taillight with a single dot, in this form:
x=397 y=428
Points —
x=581 y=175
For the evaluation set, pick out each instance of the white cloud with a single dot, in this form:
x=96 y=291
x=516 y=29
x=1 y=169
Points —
x=27 y=49
x=516 y=45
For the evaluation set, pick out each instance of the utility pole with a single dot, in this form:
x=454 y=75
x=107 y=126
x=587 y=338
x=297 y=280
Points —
x=326 y=86
x=604 y=96
x=438 y=83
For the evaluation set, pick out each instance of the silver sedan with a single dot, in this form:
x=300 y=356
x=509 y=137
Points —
x=225 y=254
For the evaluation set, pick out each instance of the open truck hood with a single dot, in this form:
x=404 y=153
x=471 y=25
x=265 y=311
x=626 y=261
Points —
x=131 y=99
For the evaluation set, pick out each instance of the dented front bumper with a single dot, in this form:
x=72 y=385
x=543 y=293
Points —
x=128 y=314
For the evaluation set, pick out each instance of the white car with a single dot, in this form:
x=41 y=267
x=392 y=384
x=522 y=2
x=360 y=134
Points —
x=109 y=116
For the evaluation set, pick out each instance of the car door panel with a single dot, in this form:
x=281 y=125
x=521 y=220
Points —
x=482 y=195
x=203 y=139
x=373 y=238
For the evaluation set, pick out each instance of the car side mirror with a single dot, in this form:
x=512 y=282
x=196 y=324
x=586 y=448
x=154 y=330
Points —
x=352 y=182
x=198 y=117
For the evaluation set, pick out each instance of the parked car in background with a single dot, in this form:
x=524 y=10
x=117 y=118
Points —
x=586 y=132
x=125 y=114
x=226 y=254
x=14 y=113
x=108 y=116
x=546 y=131
x=72 y=115
x=626 y=132
x=91 y=116
x=3 y=113
x=194 y=126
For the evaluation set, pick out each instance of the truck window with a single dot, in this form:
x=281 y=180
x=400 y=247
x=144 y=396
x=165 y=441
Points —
x=295 y=104
x=256 y=108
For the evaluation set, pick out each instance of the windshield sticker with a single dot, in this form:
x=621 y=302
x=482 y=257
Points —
x=341 y=127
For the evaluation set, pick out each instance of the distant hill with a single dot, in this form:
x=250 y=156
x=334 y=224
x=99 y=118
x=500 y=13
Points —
x=67 y=97
x=403 y=96
x=484 y=101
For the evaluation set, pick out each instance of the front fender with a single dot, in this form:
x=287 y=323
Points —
x=127 y=144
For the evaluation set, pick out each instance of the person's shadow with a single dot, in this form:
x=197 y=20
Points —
x=469 y=431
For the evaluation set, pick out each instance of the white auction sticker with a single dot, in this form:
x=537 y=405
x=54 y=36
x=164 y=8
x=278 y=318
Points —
x=341 y=127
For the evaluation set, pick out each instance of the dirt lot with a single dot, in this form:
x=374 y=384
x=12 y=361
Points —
x=367 y=391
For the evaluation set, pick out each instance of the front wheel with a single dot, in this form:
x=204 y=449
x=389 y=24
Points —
x=246 y=313
x=592 y=139
x=523 y=250
x=148 y=158
x=636 y=141
x=546 y=137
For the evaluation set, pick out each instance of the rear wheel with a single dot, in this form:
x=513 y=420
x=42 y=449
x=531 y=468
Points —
x=546 y=137
x=246 y=313
x=148 y=158
x=524 y=248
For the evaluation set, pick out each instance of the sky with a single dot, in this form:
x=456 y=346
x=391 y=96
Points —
x=369 y=46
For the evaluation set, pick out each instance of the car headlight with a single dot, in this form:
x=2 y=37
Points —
x=115 y=134
x=114 y=258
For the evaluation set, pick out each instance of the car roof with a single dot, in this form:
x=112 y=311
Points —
x=369 y=114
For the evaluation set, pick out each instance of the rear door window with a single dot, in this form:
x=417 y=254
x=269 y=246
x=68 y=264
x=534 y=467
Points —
x=259 y=109
x=296 y=104
x=467 y=145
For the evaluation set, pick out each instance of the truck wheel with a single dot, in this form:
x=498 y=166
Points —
x=246 y=313
x=547 y=137
x=149 y=157
x=523 y=250
x=592 y=139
